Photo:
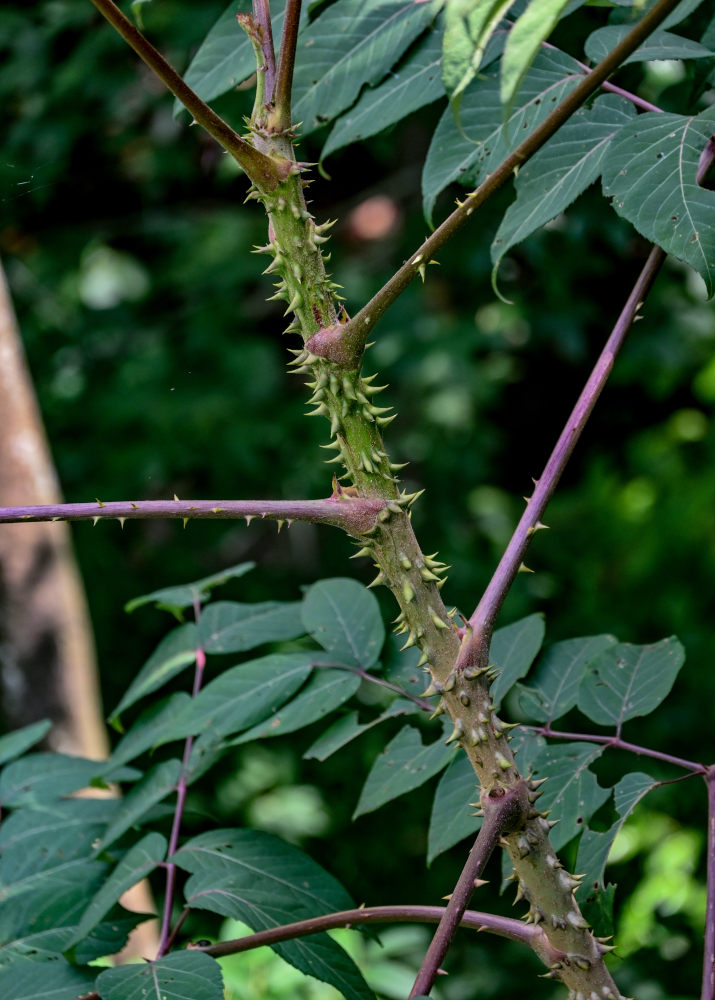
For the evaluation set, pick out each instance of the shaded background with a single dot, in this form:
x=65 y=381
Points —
x=160 y=369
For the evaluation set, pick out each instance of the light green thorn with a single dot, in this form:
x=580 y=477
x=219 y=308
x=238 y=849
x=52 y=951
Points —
x=408 y=592
x=334 y=424
x=321 y=410
x=457 y=733
x=334 y=461
x=502 y=762
x=411 y=640
x=437 y=621
x=366 y=550
x=294 y=303
x=405 y=562
x=428 y=576
x=348 y=388
x=424 y=657
x=385 y=514
x=333 y=446
x=378 y=411
x=366 y=464
x=379 y=581
x=334 y=384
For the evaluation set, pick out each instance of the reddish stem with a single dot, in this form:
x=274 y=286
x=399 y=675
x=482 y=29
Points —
x=708 y=987
x=618 y=744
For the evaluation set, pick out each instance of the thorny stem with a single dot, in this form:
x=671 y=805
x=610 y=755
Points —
x=504 y=810
x=708 y=987
x=618 y=744
x=181 y=789
x=262 y=16
x=265 y=171
x=348 y=342
x=482 y=620
x=286 y=62
x=514 y=930
x=354 y=514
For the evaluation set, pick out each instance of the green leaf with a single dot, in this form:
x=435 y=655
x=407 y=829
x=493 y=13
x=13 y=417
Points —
x=650 y=174
x=259 y=879
x=524 y=42
x=51 y=979
x=512 y=651
x=413 y=84
x=349 y=728
x=344 y=617
x=141 y=859
x=626 y=681
x=352 y=43
x=39 y=778
x=403 y=765
x=554 y=688
x=156 y=784
x=468 y=152
x=175 y=652
x=561 y=170
x=468 y=27
x=107 y=938
x=175 y=599
x=324 y=692
x=177 y=976
x=452 y=816
x=594 y=846
x=243 y=696
x=659 y=45
x=151 y=728
x=572 y=793
x=15 y=744
x=227 y=627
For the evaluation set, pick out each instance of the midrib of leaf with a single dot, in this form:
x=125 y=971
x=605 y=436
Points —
x=341 y=620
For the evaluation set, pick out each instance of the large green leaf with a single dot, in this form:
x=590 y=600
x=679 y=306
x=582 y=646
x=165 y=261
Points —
x=413 y=84
x=227 y=627
x=453 y=817
x=344 y=617
x=107 y=938
x=524 y=42
x=512 y=652
x=187 y=595
x=178 y=976
x=13 y=745
x=51 y=979
x=40 y=778
x=353 y=43
x=136 y=864
x=470 y=150
x=349 y=728
x=175 y=652
x=561 y=170
x=325 y=691
x=659 y=45
x=244 y=695
x=650 y=173
x=403 y=765
x=151 y=728
x=594 y=846
x=626 y=681
x=553 y=690
x=261 y=880
x=572 y=793
x=156 y=784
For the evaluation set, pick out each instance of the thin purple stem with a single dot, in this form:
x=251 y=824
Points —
x=262 y=17
x=355 y=514
x=708 y=989
x=482 y=621
x=366 y=676
x=502 y=813
x=286 y=65
x=707 y=158
x=618 y=744
x=181 y=789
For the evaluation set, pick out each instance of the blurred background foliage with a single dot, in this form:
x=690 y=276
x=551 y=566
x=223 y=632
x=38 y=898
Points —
x=160 y=369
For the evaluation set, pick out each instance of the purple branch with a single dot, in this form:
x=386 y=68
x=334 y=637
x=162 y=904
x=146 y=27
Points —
x=262 y=17
x=708 y=989
x=426 y=706
x=166 y=936
x=503 y=811
x=707 y=158
x=482 y=621
x=618 y=744
x=355 y=514
x=286 y=64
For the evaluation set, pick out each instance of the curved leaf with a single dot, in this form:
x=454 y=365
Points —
x=175 y=599
x=40 y=778
x=553 y=691
x=325 y=691
x=13 y=745
x=468 y=27
x=151 y=728
x=344 y=617
x=626 y=681
x=412 y=85
x=177 y=976
x=466 y=153
x=650 y=173
x=349 y=728
x=561 y=170
x=156 y=784
x=659 y=45
x=453 y=817
x=51 y=979
x=524 y=42
x=353 y=43
x=512 y=652
x=228 y=627
x=175 y=652
x=403 y=765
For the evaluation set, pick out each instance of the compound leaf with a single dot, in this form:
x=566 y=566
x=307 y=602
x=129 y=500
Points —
x=553 y=690
x=177 y=976
x=228 y=627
